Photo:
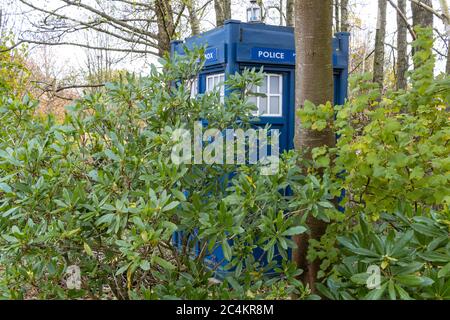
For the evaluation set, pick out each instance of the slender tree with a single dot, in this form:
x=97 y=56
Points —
x=193 y=17
x=421 y=15
x=344 y=16
x=290 y=13
x=314 y=82
x=337 y=13
x=166 y=26
x=402 y=46
x=223 y=11
x=446 y=19
x=378 y=63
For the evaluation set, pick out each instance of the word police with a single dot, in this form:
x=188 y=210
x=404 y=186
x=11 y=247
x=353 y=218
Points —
x=270 y=54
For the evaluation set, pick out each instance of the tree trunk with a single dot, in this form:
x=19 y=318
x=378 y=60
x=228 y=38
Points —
x=1 y=25
x=166 y=28
x=290 y=13
x=446 y=19
x=402 y=47
x=227 y=9
x=314 y=74
x=223 y=11
x=421 y=16
x=447 y=69
x=378 y=63
x=344 y=16
x=337 y=11
x=193 y=18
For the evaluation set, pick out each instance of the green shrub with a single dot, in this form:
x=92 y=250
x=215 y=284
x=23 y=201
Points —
x=100 y=192
x=392 y=158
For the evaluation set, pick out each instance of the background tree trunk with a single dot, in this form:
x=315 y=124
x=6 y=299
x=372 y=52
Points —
x=344 y=16
x=447 y=69
x=378 y=63
x=223 y=11
x=227 y=9
x=193 y=17
x=290 y=13
x=421 y=16
x=337 y=11
x=166 y=27
x=314 y=82
x=402 y=47
x=446 y=19
x=220 y=18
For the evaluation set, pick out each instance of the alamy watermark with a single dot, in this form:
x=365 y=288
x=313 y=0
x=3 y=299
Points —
x=73 y=281
x=230 y=146
x=374 y=279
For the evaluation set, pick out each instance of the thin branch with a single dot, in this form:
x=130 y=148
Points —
x=85 y=46
x=362 y=61
x=79 y=86
x=92 y=25
x=430 y=9
x=111 y=18
x=12 y=47
x=404 y=18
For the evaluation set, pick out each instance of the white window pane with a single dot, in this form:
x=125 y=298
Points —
x=262 y=106
x=263 y=88
x=274 y=105
x=252 y=100
x=194 y=88
x=210 y=84
x=222 y=78
x=275 y=84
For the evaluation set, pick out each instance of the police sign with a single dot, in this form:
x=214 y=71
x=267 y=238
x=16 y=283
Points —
x=210 y=55
x=274 y=55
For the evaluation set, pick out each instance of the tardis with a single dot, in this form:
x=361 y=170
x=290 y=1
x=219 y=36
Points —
x=236 y=46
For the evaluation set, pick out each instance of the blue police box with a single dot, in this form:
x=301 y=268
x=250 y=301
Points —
x=236 y=46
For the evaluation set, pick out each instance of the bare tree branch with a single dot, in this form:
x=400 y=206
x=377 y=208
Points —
x=405 y=19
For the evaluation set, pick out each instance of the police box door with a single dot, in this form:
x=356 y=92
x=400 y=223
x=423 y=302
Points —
x=276 y=107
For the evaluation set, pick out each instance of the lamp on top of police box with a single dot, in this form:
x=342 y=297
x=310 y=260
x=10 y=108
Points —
x=253 y=12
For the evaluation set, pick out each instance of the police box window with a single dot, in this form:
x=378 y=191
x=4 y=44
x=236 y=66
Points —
x=216 y=82
x=271 y=104
x=193 y=83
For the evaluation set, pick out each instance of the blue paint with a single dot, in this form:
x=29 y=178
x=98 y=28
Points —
x=236 y=46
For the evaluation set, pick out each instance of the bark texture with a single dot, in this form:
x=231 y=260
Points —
x=378 y=62
x=314 y=82
x=345 y=27
x=193 y=17
x=402 y=46
x=421 y=16
x=290 y=13
x=337 y=14
x=166 y=26
x=447 y=69
x=446 y=19
x=223 y=11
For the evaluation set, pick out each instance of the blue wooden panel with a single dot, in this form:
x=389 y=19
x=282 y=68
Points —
x=236 y=46
x=214 y=55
